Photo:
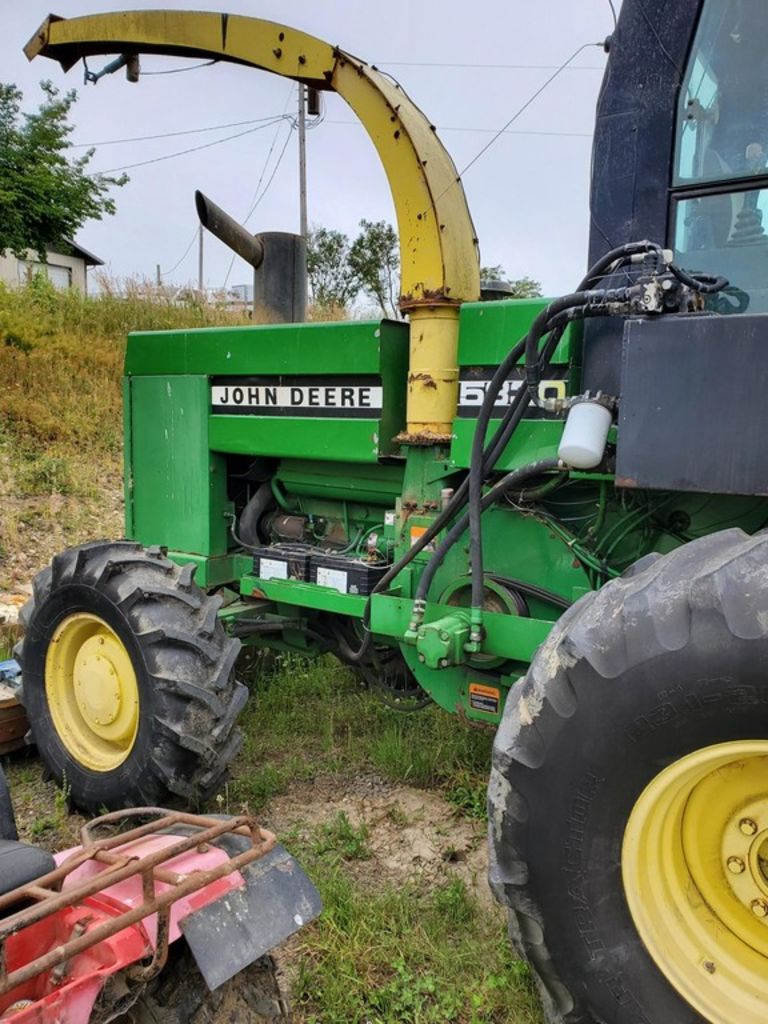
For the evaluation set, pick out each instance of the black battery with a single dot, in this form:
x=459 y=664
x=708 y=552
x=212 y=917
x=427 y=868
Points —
x=282 y=562
x=345 y=574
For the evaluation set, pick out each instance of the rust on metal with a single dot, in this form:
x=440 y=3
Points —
x=45 y=891
x=423 y=437
x=423 y=378
x=428 y=297
x=157 y=963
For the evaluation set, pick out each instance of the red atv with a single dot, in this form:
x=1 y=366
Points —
x=169 y=921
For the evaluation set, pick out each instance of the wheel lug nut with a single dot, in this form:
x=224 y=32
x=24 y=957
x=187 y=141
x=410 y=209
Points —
x=759 y=908
x=747 y=826
x=735 y=865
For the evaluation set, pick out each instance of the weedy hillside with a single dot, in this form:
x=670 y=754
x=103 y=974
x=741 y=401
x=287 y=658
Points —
x=60 y=412
x=385 y=810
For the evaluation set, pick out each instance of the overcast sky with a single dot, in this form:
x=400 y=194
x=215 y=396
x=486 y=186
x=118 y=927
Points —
x=528 y=194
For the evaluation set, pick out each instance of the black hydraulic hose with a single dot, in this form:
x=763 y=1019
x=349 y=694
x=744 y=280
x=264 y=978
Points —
x=512 y=479
x=512 y=417
x=477 y=474
x=539 y=328
x=252 y=514
x=618 y=255
x=498 y=443
x=707 y=284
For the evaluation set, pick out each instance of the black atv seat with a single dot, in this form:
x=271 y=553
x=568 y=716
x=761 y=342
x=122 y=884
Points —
x=21 y=863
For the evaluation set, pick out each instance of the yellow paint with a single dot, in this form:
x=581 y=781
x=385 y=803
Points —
x=92 y=693
x=694 y=863
x=433 y=375
x=438 y=249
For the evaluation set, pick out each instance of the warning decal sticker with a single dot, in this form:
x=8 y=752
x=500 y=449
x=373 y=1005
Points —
x=484 y=698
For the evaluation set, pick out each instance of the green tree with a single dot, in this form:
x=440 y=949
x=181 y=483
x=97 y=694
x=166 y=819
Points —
x=330 y=276
x=522 y=287
x=374 y=260
x=44 y=197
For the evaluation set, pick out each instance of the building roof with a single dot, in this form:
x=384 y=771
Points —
x=79 y=251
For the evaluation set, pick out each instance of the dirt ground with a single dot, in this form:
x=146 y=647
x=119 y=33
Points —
x=412 y=833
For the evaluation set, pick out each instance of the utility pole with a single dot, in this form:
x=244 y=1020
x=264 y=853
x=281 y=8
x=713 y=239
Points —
x=200 y=261
x=158 y=277
x=303 y=160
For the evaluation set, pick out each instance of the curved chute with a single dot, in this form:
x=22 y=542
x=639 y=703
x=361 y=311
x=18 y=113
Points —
x=438 y=248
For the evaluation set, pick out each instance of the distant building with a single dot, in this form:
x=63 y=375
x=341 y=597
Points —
x=242 y=292
x=63 y=270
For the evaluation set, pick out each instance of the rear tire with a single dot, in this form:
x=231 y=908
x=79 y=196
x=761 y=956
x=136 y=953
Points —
x=179 y=995
x=652 y=671
x=149 y=716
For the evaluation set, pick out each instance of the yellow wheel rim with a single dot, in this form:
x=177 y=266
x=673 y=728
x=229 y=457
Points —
x=695 y=870
x=92 y=692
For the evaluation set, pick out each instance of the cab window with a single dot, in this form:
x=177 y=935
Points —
x=720 y=179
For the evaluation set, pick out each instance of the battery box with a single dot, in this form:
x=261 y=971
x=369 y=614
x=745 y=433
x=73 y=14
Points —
x=282 y=562
x=348 y=575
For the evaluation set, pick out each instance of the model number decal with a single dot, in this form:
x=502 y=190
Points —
x=474 y=382
x=298 y=397
x=473 y=392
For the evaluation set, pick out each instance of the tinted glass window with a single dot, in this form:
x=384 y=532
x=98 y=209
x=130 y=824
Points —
x=724 y=234
x=723 y=110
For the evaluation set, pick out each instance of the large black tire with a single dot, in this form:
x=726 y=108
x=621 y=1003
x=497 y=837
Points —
x=179 y=995
x=7 y=818
x=183 y=661
x=667 y=660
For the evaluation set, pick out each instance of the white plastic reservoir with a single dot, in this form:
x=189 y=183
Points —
x=586 y=432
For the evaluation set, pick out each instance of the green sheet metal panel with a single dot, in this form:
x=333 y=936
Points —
x=315 y=361
x=348 y=347
x=487 y=331
x=175 y=487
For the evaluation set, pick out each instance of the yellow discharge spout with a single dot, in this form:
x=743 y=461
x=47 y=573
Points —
x=438 y=248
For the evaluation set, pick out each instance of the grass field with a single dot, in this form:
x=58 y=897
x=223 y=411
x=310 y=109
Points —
x=386 y=811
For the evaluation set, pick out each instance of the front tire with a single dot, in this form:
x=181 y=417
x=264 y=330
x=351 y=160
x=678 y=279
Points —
x=616 y=813
x=128 y=678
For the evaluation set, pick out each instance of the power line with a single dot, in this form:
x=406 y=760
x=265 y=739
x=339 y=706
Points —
x=512 y=119
x=183 y=152
x=311 y=126
x=524 y=107
x=476 y=67
x=170 y=135
x=488 y=131
x=255 y=200
x=272 y=175
x=166 y=273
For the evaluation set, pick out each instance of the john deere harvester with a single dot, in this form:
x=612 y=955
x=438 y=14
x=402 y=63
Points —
x=541 y=515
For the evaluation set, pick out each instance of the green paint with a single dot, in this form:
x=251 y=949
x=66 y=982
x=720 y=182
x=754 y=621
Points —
x=188 y=468
x=175 y=486
x=305 y=595
x=354 y=347
x=488 y=330
x=299 y=437
x=441 y=643
x=216 y=571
